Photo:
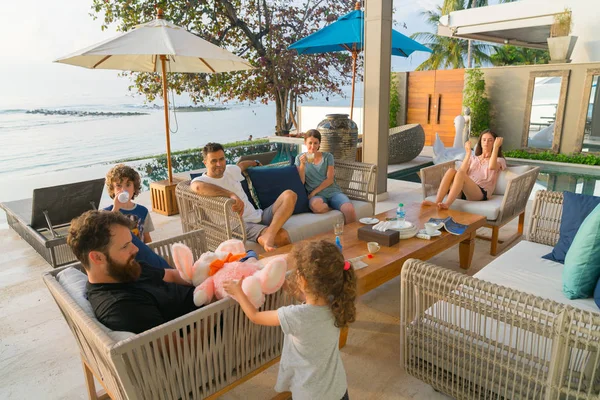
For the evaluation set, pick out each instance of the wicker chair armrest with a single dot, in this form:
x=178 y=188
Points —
x=516 y=195
x=444 y=315
x=357 y=180
x=213 y=214
x=431 y=177
x=546 y=215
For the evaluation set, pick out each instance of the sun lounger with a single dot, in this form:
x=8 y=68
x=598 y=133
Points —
x=43 y=220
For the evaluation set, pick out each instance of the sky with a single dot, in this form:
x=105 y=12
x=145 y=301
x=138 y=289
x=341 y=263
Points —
x=36 y=32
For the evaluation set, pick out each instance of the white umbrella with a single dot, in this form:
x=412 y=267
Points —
x=148 y=48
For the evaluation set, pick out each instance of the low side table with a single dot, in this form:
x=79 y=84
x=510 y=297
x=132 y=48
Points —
x=163 y=197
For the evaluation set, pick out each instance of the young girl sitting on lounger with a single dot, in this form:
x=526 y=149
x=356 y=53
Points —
x=311 y=366
x=316 y=171
x=476 y=178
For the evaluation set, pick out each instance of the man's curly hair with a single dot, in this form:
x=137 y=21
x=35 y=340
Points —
x=91 y=232
x=120 y=172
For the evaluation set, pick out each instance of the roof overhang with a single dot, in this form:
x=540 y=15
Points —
x=523 y=23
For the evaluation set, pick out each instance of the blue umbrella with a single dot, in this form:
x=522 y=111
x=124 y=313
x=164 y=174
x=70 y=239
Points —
x=347 y=34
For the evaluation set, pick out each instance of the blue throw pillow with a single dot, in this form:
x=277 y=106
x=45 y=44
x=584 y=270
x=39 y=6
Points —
x=195 y=175
x=582 y=263
x=147 y=255
x=576 y=207
x=270 y=182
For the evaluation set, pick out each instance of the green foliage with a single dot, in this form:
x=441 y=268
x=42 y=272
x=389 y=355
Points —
x=394 y=101
x=189 y=160
x=577 y=158
x=475 y=98
x=512 y=55
x=448 y=53
x=258 y=31
x=249 y=143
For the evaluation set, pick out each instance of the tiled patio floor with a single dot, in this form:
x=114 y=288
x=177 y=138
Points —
x=39 y=357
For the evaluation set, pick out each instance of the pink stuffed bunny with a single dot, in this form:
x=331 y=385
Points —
x=209 y=272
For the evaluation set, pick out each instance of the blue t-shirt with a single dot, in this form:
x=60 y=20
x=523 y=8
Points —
x=315 y=174
x=140 y=217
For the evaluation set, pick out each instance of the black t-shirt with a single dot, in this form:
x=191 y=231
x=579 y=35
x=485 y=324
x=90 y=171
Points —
x=140 y=305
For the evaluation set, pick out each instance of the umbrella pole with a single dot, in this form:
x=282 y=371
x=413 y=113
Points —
x=354 y=56
x=163 y=62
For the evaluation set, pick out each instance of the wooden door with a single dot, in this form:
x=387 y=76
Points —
x=434 y=100
x=421 y=88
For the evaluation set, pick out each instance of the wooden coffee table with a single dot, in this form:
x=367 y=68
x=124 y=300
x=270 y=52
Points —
x=387 y=263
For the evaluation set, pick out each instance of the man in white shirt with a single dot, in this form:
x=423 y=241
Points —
x=262 y=226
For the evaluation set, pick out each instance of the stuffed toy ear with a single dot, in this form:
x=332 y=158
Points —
x=233 y=246
x=184 y=260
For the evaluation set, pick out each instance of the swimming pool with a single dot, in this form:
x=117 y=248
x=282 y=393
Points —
x=553 y=176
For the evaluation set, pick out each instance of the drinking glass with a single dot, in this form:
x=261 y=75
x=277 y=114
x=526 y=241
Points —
x=338 y=227
x=310 y=157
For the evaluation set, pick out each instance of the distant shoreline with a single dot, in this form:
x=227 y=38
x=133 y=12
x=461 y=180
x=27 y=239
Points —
x=74 y=113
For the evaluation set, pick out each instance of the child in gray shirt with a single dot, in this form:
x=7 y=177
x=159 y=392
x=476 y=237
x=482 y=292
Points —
x=311 y=366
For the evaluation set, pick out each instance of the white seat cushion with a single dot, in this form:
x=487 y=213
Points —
x=490 y=208
x=74 y=282
x=508 y=174
x=523 y=268
x=303 y=226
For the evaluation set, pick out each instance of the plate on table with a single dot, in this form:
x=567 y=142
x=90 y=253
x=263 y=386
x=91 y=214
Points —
x=424 y=232
x=368 y=221
x=397 y=226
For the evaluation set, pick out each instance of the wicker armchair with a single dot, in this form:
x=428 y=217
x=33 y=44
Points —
x=216 y=216
x=512 y=205
x=230 y=350
x=473 y=339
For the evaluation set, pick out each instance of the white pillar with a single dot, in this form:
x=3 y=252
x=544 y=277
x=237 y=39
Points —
x=377 y=53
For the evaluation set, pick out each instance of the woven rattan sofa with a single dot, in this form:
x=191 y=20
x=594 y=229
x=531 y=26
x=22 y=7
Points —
x=508 y=201
x=508 y=332
x=216 y=216
x=129 y=366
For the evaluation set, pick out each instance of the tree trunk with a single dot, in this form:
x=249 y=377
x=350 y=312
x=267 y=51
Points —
x=281 y=111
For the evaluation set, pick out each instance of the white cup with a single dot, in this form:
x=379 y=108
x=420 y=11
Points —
x=431 y=228
x=123 y=197
x=373 y=247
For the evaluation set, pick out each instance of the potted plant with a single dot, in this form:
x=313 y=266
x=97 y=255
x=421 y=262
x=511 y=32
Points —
x=560 y=44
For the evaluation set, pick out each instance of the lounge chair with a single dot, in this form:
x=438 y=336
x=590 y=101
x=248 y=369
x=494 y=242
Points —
x=130 y=366
x=44 y=219
x=506 y=203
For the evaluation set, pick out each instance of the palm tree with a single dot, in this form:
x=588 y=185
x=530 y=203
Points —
x=512 y=55
x=448 y=53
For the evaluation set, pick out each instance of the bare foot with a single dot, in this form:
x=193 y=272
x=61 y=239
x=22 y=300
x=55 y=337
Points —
x=427 y=203
x=266 y=244
x=442 y=206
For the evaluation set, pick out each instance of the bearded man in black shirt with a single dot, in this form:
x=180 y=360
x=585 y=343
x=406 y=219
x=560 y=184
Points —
x=125 y=295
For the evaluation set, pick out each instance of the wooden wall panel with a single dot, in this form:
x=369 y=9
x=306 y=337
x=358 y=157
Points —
x=445 y=87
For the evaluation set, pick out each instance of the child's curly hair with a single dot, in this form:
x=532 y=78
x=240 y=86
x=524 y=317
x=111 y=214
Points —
x=321 y=264
x=120 y=172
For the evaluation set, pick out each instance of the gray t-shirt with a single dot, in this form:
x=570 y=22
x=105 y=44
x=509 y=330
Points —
x=315 y=174
x=311 y=366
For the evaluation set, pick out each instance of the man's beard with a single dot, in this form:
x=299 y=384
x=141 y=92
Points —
x=123 y=273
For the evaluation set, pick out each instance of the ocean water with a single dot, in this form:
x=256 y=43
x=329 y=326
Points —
x=36 y=149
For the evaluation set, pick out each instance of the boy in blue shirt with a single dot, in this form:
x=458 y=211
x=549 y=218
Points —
x=122 y=178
